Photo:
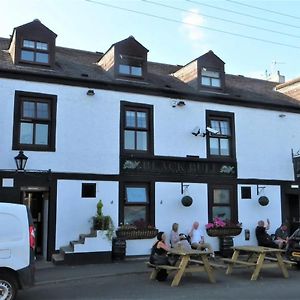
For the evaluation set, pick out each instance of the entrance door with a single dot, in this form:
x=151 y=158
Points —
x=35 y=202
x=293 y=212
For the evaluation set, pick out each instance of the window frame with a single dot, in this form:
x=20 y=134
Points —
x=232 y=198
x=136 y=107
x=20 y=98
x=150 y=210
x=35 y=50
x=210 y=78
x=131 y=62
x=221 y=116
x=85 y=186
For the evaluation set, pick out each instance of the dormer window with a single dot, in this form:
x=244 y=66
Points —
x=126 y=60
x=130 y=66
x=34 y=51
x=33 y=44
x=210 y=78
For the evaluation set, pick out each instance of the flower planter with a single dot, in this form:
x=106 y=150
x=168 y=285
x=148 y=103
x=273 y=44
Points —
x=223 y=231
x=135 y=234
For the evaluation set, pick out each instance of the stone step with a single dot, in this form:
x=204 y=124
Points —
x=58 y=259
x=73 y=243
x=67 y=249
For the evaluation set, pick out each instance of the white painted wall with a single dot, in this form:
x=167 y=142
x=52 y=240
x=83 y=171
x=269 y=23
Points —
x=74 y=213
x=87 y=132
x=250 y=212
x=87 y=129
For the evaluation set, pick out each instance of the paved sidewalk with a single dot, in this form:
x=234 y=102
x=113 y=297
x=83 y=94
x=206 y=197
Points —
x=47 y=272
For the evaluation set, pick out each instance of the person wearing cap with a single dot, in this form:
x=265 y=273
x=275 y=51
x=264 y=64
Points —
x=281 y=236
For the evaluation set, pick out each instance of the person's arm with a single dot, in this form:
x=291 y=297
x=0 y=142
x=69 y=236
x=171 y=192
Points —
x=191 y=233
x=268 y=224
x=163 y=246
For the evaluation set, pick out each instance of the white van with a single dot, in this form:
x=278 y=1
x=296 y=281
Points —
x=17 y=242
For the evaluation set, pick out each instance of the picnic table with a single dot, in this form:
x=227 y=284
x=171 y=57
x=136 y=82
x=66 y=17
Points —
x=189 y=261
x=258 y=259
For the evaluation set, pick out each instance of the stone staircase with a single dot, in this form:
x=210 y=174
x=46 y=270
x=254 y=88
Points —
x=89 y=248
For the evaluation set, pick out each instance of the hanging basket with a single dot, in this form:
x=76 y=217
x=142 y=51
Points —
x=223 y=231
x=263 y=201
x=137 y=234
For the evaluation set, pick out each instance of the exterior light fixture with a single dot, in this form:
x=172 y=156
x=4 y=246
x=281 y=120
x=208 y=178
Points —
x=180 y=103
x=90 y=92
x=21 y=160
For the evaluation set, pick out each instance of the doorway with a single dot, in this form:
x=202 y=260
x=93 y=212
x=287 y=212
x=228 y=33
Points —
x=37 y=201
x=293 y=212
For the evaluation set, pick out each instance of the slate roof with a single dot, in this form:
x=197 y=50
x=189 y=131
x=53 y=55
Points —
x=81 y=65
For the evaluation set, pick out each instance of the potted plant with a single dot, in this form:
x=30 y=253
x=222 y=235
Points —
x=101 y=222
x=220 y=228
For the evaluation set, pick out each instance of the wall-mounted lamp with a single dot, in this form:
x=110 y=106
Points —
x=90 y=92
x=178 y=103
x=262 y=200
x=21 y=160
x=186 y=200
x=197 y=131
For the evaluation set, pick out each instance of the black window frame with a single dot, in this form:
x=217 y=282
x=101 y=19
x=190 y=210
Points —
x=51 y=100
x=136 y=107
x=150 y=210
x=232 y=204
x=35 y=50
x=88 y=190
x=246 y=192
x=221 y=116
x=211 y=78
x=131 y=61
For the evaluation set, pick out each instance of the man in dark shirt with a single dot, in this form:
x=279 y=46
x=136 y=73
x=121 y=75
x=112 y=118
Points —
x=263 y=238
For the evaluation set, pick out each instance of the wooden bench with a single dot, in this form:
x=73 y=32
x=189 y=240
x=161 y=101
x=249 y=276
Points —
x=239 y=262
x=214 y=265
x=156 y=268
x=288 y=262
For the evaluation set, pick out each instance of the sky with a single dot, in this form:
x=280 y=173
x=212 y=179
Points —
x=253 y=38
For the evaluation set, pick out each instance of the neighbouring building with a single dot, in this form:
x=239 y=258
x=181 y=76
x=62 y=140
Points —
x=140 y=135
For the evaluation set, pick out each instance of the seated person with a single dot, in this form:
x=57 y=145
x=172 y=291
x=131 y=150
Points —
x=159 y=255
x=281 y=236
x=263 y=238
x=184 y=243
x=174 y=236
x=197 y=239
x=159 y=250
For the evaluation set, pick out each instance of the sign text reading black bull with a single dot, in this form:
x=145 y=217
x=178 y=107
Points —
x=178 y=167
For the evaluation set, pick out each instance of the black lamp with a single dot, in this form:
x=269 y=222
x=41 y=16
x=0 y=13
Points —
x=90 y=92
x=21 y=160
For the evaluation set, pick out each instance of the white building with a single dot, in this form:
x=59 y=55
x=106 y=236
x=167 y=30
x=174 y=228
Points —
x=116 y=127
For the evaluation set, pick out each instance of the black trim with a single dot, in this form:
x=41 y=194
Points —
x=37 y=97
x=233 y=198
x=136 y=106
x=130 y=87
x=210 y=114
x=87 y=258
x=151 y=198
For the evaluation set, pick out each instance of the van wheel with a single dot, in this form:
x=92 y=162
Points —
x=8 y=286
